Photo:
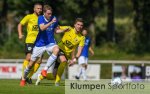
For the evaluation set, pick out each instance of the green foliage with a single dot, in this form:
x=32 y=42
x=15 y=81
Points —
x=13 y=48
x=131 y=18
x=46 y=87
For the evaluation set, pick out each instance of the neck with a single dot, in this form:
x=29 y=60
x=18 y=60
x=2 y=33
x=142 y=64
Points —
x=76 y=31
x=36 y=14
x=46 y=18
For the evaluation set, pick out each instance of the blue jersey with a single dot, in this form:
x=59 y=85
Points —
x=47 y=36
x=86 y=47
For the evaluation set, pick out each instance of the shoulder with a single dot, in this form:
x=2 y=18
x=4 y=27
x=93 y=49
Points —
x=82 y=37
x=87 y=37
x=41 y=16
x=29 y=15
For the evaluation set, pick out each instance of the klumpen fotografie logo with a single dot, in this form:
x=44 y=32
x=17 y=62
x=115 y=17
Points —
x=104 y=86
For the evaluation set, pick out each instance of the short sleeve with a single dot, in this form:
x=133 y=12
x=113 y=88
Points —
x=25 y=20
x=82 y=41
x=64 y=27
x=40 y=20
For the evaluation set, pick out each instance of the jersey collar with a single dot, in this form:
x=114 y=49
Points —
x=46 y=19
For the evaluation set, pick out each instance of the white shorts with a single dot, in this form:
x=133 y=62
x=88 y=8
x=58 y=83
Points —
x=82 y=60
x=38 y=51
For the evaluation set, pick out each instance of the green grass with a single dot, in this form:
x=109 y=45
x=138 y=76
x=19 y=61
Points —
x=46 y=87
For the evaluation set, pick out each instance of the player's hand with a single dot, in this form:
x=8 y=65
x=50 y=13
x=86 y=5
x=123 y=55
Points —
x=72 y=62
x=92 y=53
x=54 y=20
x=21 y=37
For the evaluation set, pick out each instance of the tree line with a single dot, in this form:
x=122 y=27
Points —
x=124 y=23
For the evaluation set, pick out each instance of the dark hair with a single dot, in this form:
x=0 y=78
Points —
x=79 y=20
x=47 y=7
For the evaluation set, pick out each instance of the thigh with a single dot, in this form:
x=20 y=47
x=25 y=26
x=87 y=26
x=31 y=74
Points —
x=49 y=48
x=81 y=60
x=86 y=60
x=38 y=51
x=63 y=56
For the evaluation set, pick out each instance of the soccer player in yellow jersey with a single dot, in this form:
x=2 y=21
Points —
x=68 y=44
x=30 y=21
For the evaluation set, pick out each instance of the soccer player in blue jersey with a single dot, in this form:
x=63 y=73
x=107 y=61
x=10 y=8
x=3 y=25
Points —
x=83 y=59
x=45 y=41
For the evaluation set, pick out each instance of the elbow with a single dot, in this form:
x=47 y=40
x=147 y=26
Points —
x=42 y=29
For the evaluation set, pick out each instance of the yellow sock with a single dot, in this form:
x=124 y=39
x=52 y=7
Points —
x=33 y=70
x=50 y=76
x=60 y=71
x=25 y=63
x=41 y=77
x=36 y=67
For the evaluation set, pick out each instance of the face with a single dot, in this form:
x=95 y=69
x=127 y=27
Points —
x=84 y=32
x=38 y=9
x=48 y=14
x=78 y=26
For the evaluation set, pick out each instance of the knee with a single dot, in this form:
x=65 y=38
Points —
x=56 y=50
x=84 y=65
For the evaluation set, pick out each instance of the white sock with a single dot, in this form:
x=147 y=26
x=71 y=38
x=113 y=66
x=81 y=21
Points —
x=84 y=73
x=80 y=72
x=50 y=61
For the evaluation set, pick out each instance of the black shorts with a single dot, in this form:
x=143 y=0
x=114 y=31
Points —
x=57 y=63
x=29 y=47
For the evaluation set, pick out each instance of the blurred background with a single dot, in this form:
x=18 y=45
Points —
x=120 y=29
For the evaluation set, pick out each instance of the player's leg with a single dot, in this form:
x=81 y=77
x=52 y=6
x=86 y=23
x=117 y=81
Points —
x=84 y=67
x=51 y=75
x=53 y=71
x=28 y=51
x=82 y=61
x=35 y=67
x=54 y=49
x=61 y=69
x=37 y=52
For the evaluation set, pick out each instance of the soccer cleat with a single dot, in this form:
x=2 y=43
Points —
x=29 y=80
x=38 y=79
x=77 y=77
x=22 y=82
x=44 y=73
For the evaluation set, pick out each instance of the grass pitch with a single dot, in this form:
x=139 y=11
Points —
x=46 y=87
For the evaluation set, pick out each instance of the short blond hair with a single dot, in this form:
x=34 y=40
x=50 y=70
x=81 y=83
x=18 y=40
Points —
x=47 y=7
x=79 y=20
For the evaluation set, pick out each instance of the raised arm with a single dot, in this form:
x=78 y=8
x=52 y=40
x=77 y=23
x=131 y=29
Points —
x=45 y=26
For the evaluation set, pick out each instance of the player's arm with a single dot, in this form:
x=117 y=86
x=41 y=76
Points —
x=20 y=26
x=79 y=52
x=91 y=50
x=75 y=57
x=45 y=26
x=20 y=31
x=59 y=30
x=80 y=47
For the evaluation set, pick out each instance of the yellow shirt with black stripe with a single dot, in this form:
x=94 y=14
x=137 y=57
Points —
x=32 y=28
x=70 y=40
